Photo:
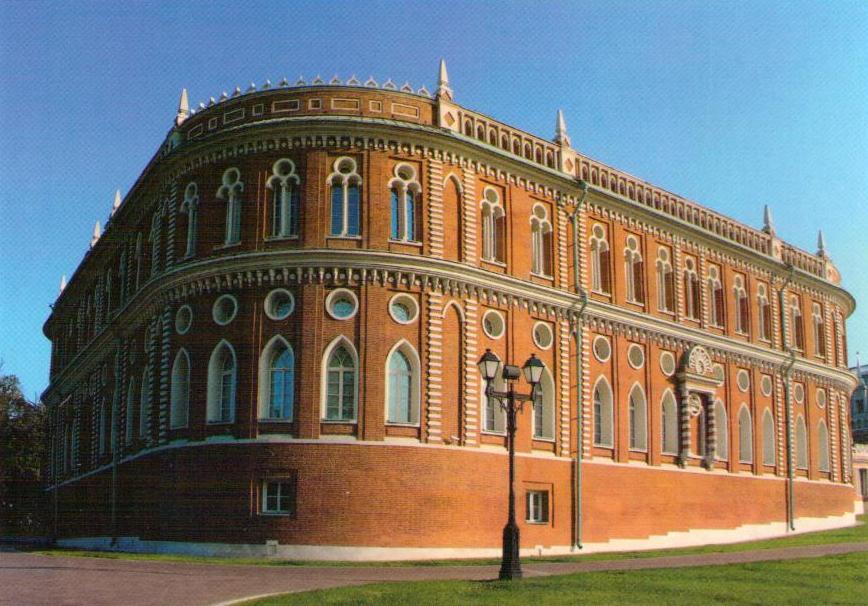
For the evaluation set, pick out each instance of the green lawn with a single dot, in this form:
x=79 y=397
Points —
x=844 y=535
x=821 y=581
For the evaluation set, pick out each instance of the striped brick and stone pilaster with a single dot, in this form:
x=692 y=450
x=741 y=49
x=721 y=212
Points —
x=434 y=402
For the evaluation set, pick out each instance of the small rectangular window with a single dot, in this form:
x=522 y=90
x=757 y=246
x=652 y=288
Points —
x=537 y=502
x=278 y=497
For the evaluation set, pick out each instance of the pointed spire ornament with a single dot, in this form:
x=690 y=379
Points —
x=224 y=96
x=97 y=232
x=252 y=87
x=821 y=244
x=318 y=80
x=266 y=85
x=406 y=88
x=183 y=108
x=389 y=85
x=300 y=81
x=335 y=81
x=283 y=82
x=353 y=81
x=443 y=89
x=561 y=135
x=117 y=203
x=237 y=91
x=371 y=83
x=768 y=221
x=62 y=282
x=211 y=101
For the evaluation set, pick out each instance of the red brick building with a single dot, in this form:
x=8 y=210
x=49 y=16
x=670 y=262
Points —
x=272 y=347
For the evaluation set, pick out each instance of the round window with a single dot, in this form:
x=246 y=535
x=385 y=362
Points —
x=493 y=324
x=279 y=304
x=224 y=310
x=183 y=319
x=766 y=385
x=821 y=398
x=636 y=356
x=743 y=380
x=602 y=349
x=342 y=304
x=718 y=372
x=542 y=335
x=799 y=393
x=667 y=363
x=403 y=309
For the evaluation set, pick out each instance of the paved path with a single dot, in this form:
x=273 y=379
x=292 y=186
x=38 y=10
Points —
x=27 y=579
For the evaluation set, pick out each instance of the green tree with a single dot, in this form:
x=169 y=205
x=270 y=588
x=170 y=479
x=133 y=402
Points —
x=22 y=453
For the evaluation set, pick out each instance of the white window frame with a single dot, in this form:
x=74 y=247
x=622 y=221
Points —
x=327 y=353
x=492 y=210
x=231 y=189
x=538 y=506
x=637 y=419
x=215 y=386
x=540 y=254
x=342 y=179
x=264 y=394
x=669 y=423
x=264 y=510
x=403 y=346
x=180 y=393
x=605 y=416
x=190 y=206
x=402 y=184
x=543 y=428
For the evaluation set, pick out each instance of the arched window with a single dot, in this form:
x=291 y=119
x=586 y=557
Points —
x=346 y=198
x=145 y=403
x=692 y=294
x=131 y=411
x=801 y=443
x=277 y=381
x=340 y=382
x=222 y=371
x=768 y=439
x=231 y=190
x=405 y=196
x=493 y=227
x=402 y=388
x=819 y=330
x=765 y=313
x=285 y=191
x=603 y=434
x=190 y=206
x=742 y=317
x=823 y=444
x=665 y=280
x=541 y=241
x=634 y=271
x=715 y=297
x=798 y=325
x=493 y=415
x=638 y=419
x=670 y=423
x=745 y=436
x=544 y=408
x=600 y=271
x=102 y=425
x=180 y=402
x=722 y=423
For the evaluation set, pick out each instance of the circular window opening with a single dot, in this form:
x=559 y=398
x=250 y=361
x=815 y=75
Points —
x=821 y=398
x=718 y=372
x=799 y=393
x=342 y=304
x=279 y=304
x=667 y=363
x=492 y=324
x=183 y=319
x=542 y=335
x=602 y=349
x=225 y=308
x=766 y=385
x=403 y=309
x=636 y=356
x=743 y=380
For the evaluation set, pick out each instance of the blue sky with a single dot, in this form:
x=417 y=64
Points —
x=731 y=104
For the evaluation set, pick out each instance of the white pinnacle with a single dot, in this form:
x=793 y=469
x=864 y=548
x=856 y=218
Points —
x=443 y=89
x=117 y=203
x=561 y=130
x=183 y=108
x=96 y=234
x=768 y=221
x=62 y=282
x=821 y=244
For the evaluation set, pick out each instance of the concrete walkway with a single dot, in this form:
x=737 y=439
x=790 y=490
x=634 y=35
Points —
x=27 y=579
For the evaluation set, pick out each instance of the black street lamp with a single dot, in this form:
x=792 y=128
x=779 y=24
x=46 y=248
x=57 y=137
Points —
x=511 y=402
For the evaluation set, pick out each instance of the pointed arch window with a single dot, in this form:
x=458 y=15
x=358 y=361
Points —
x=665 y=280
x=345 y=185
x=493 y=227
x=717 y=308
x=493 y=414
x=798 y=324
x=670 y=423
x=231 y=189
x=823 y=445
x=819 y=330
x=600 y=266
x=721 y=420
x=544 y=408
x=179 y=405
x=768 y=439
x=603 y=431
x=285 y=187
x=341 y=383
x=745 y=436
x=280 y=381
x=801 y=443
x=190 y=207
x=634 y=271
x=742 y=306
x=638 y=419
x=764 y=310
x=405 y=196
x=692 y=291
x=222 y=378
x=145 y=403
x=402 y=389
x=541 y=241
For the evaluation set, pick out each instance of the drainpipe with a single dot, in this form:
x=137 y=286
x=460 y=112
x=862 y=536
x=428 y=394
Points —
x=577 y=331
x=788 y=372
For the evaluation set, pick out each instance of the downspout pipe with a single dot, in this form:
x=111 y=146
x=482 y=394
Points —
x=788 y=373
x=577 y=332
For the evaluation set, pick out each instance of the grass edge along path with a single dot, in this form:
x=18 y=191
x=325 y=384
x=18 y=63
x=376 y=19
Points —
x=829 y=580
x=851 y=534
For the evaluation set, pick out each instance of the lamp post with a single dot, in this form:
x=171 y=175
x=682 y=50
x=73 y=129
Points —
x=511 y=402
